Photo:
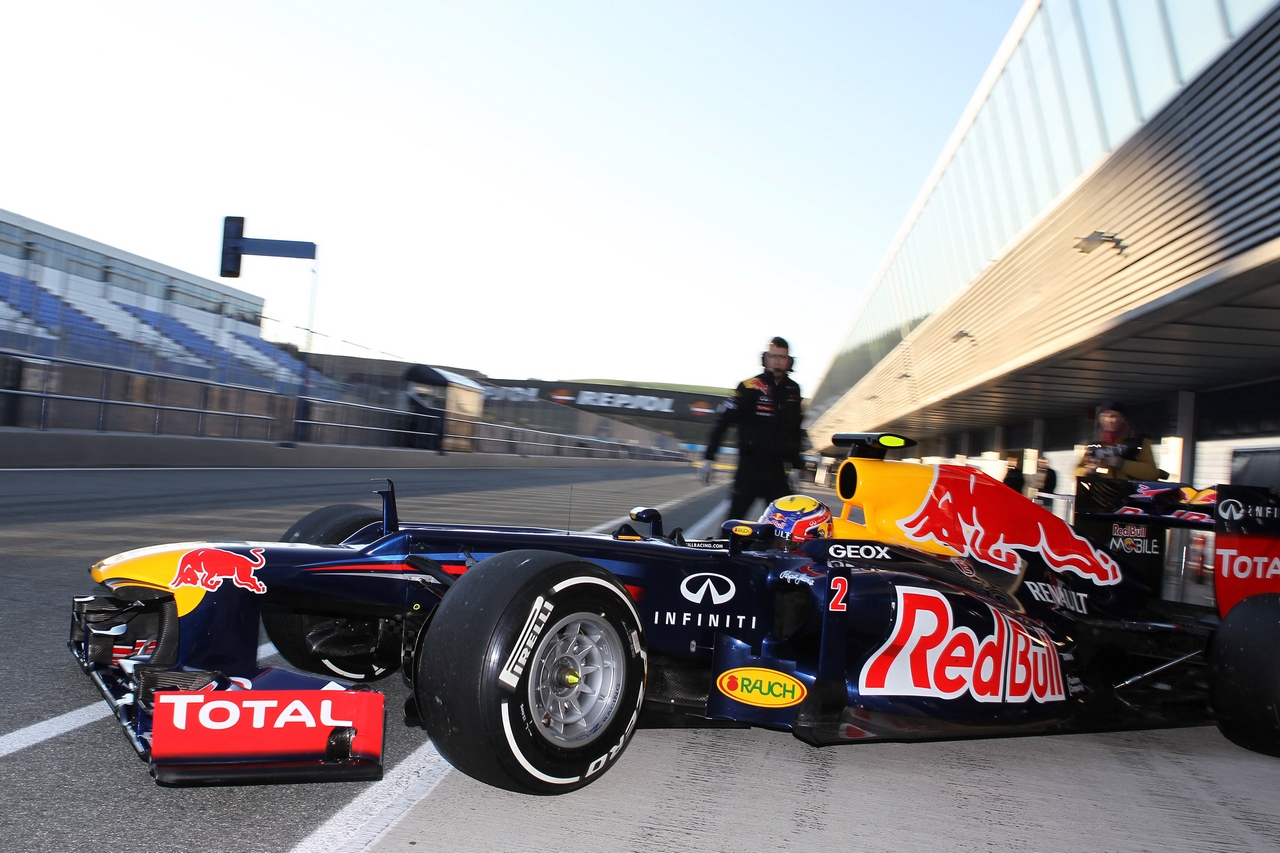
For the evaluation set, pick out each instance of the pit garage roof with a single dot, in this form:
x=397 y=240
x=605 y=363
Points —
x=1180 y=292
x=1220 y=330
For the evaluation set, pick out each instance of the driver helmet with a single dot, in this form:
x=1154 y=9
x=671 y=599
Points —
x=799 y=517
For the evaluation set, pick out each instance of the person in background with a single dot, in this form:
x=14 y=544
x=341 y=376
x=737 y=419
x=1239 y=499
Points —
x=766 y=411
x=1048 y=477
x=1013 y=477
x=1118 y=453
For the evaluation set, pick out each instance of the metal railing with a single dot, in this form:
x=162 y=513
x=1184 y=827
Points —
x=365 y=423
x=63 y=393
x=46 y=393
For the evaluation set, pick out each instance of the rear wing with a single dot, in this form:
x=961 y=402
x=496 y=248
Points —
x=1131 y=516
x=1247 y=546
x=1129 y=519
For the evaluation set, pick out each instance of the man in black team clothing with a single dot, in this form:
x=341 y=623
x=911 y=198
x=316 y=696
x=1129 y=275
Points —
x=766 y=411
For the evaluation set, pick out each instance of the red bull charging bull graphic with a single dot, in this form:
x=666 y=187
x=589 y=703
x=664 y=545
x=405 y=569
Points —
x=927 y=654
x=978 y=517
x=207 y=568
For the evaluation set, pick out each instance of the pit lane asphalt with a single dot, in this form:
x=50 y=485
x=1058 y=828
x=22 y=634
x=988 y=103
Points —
x=85 y=789
x=712 y=790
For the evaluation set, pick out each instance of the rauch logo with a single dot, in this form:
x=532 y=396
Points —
x=763 y=688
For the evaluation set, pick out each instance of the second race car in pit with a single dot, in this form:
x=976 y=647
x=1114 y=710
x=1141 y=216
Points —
x=935 y=602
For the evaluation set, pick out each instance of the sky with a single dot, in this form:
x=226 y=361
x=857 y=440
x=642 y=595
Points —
x=642 y=191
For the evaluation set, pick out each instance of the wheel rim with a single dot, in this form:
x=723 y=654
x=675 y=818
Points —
x=575 y=684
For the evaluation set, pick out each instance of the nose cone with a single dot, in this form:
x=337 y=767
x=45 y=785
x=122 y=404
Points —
x=154 y=568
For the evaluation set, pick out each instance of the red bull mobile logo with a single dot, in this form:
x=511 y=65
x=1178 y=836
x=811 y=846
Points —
x=207 y=568
x=927 y=654
x=977 y=517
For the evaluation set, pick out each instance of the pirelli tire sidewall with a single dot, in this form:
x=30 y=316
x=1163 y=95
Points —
x=484 y=725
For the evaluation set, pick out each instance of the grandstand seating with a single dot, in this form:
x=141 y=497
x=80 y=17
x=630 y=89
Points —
x=231 y=368
x=294 y=365
x=35 y=320
x=81 y=336
x=91 y=301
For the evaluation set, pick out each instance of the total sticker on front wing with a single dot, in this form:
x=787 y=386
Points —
x=263 y=725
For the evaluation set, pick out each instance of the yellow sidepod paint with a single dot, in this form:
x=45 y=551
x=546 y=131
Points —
x=887 y=493
x=153 y=567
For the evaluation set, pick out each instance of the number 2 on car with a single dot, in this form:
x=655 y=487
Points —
x=839 y=589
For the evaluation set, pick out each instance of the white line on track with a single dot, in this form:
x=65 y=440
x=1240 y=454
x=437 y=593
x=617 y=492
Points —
x=61 y=724
x=72 y=720
x=359 y=824
x=609 y=525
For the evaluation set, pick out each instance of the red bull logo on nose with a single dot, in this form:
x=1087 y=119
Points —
x=207 y=568
x=978 y=517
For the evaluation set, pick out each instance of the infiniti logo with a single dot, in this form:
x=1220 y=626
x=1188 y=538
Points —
x=719 y=586
x=1231 y=510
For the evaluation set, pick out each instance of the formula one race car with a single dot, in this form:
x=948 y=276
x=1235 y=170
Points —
x=936 y=603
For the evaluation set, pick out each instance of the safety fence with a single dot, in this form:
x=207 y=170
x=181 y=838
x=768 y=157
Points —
x=68 y=394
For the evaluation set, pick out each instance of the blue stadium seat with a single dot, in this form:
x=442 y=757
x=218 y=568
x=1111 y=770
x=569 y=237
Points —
x=80 y=335
x=230 y=368
x=317 y=383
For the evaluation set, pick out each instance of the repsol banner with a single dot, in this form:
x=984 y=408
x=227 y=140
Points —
x=610 y=399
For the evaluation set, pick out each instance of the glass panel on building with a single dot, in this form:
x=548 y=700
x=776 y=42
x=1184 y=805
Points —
x=978 y=194
x=949 y=235
x=1106 y=55
x=1052 y=111
x=1064 y=38
x=1039 y=162
x=1154 y=74
x=949 y=276
x=918 y=300
x=995 y=161
x=935 y=253
x=960 y=224
x=970 y=196
x=1241 y=14
x=1199 y=32
x=909 y=303
x=1016 y=168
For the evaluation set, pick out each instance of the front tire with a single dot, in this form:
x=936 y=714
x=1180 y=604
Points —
x=354 y=648
x=532 y=672
x=331 y=525
x=1244 y=674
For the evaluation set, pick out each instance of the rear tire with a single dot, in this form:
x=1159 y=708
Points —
x=357 y=649
x=531 y=674
x=1244 y=674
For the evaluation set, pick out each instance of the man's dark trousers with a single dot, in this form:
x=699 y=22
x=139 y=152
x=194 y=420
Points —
x=768 y=482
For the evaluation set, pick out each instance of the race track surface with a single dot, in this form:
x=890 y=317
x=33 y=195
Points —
x=740 y=790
